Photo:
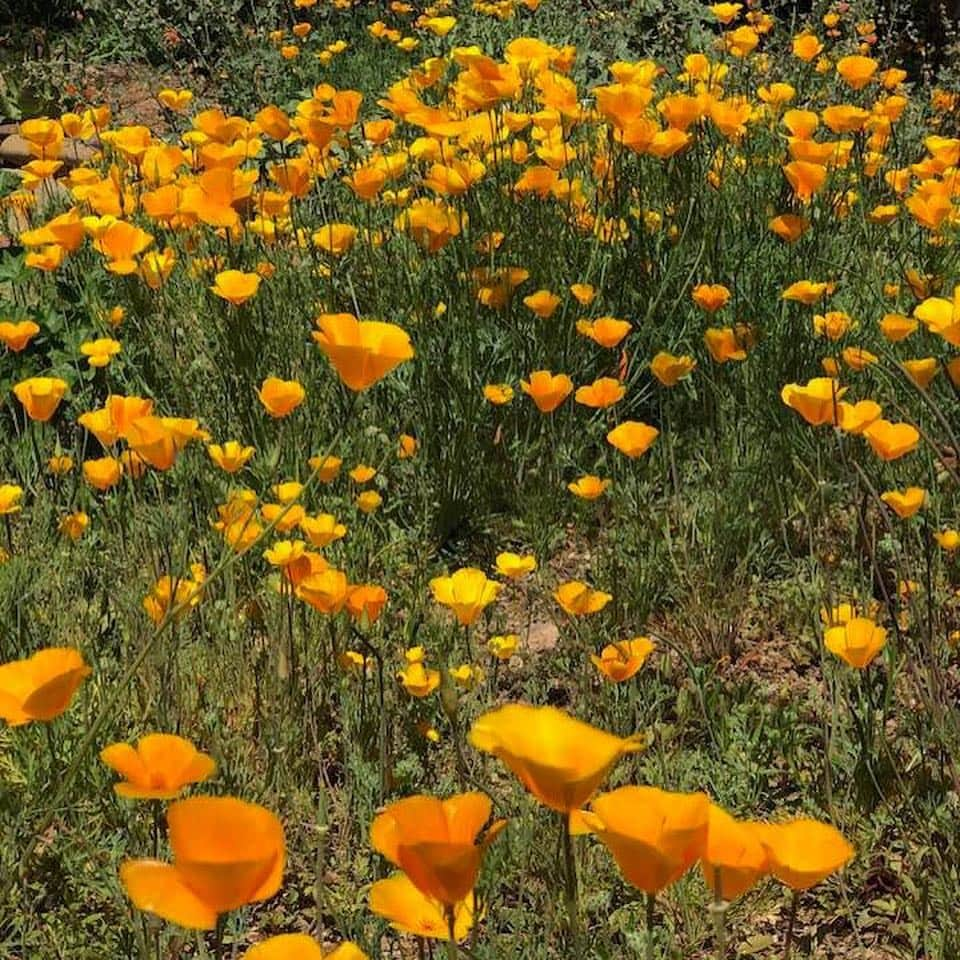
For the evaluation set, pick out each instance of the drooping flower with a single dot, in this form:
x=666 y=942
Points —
x=559 y=759
x=158 y=768
x=226 y=853
x=41 y=686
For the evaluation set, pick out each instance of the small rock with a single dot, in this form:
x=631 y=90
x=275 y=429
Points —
x=543 y=636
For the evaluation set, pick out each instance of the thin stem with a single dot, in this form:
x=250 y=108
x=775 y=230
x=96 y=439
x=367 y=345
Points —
x=570 y=879
x=218 y=938
x=651 y=905
x=451 y=933
x=718 y=910
x=791 y=920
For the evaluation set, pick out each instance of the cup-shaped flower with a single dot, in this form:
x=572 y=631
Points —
x=399 y=901
x=281 y=397
x=418 y=679
x=804 y=852
x=40 y=396
x=588 y=487
x=559 y=759
x=154 y=441
x=299 y=946
x=235 y=286
x=710 y=296
x=365 y=602
x=890 y=441
x=231 y=457
x=103 y=472
x=670 y=369
x=733 y=859
x=605 y=331
x=439 y=844
x=655 y=836
x=856 y=642
x=323 y=529
x=467 y=592
x=905 y=503
x=633 y=438
x=362 y=352
x=546 y=389
x=620 y=661
x=226 y=853
x=816 y=402
x=579 y=599
x=10 y=496
x=158 y=768
x=326 y=592
x=601 y=394
x=41 y=686
x=16 y=336
x=515 y=566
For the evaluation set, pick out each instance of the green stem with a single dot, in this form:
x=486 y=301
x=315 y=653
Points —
x=651 y=904
x=718 y=910
x=570 y=880
x=218 y=938
x=791 y=920
x=451 y=934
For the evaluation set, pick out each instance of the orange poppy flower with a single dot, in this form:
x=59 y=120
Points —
x=281 y=397
x=804 y=852
x=633 y=438
x=437 y=843
x=158 y=768
x=41 y=686
x=559 y=759
x=620 y=661
x=546 y=389
x=655 y=836
x=226 y=853
x=40 y=396
x=363 y=352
